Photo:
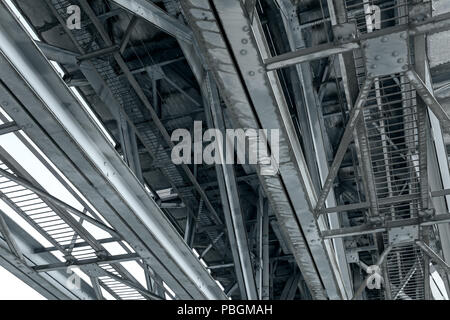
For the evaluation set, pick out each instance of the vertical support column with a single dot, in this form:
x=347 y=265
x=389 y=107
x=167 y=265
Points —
x=438 y=175
x=96 y=285
x=422 y=113
x=234 y=219
x=262 y=235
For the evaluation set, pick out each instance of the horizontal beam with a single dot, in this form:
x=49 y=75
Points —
x=8 y=128
x=440 y=193
x=370 y=229
x=75 y=245
x=221 y=266
x=99 y=53
x=97 y=261
x=308 y=54
x=347 y=207
x=433 y=25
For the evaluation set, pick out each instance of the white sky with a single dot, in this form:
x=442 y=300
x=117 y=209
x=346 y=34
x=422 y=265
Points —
x=11 y=288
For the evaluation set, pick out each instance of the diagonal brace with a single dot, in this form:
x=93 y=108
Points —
x=434 y=256
x=429 y=99
x=345 y=141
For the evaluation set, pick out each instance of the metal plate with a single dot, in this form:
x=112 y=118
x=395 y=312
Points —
x=403 y=234
x=344 y=31
x=387 y=54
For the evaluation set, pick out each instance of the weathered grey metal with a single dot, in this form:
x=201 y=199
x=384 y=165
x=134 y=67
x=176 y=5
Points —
x=62 y=220
x=8 y=128
x=308 y=54
x=387 y=54
x=434 y=256
x=6 y=234
x=347 y=207
x=234 y=219
x=438 y=172
x=312 y=134
x=64 y=265
x=127 y=36
x=150 y=12
x=262 y=247
x=99 y=53
x=102 y=167
x=345 y=141
x=433 y=25
x=226 y=74
x=371 y=229
x=430 y=100
x=140 y=93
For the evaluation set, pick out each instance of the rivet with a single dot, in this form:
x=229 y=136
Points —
x=405 y=67
x=251 y=73
x=243 y=52
x=245 y=28
x=378 y=57
x=244 y=41
x=395 y=54
x=400 y=60
x=374 y=66
x=384 y=39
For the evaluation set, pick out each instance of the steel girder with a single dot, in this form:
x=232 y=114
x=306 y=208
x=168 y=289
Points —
x=438 y=165
x=150 y=12
x=237 y=232
x=227 y=184
x=292 y=24
x=433 y=25
x=223 y=32
x=70 y=139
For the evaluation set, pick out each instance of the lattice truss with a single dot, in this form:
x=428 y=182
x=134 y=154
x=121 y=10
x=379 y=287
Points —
x=73 y=234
